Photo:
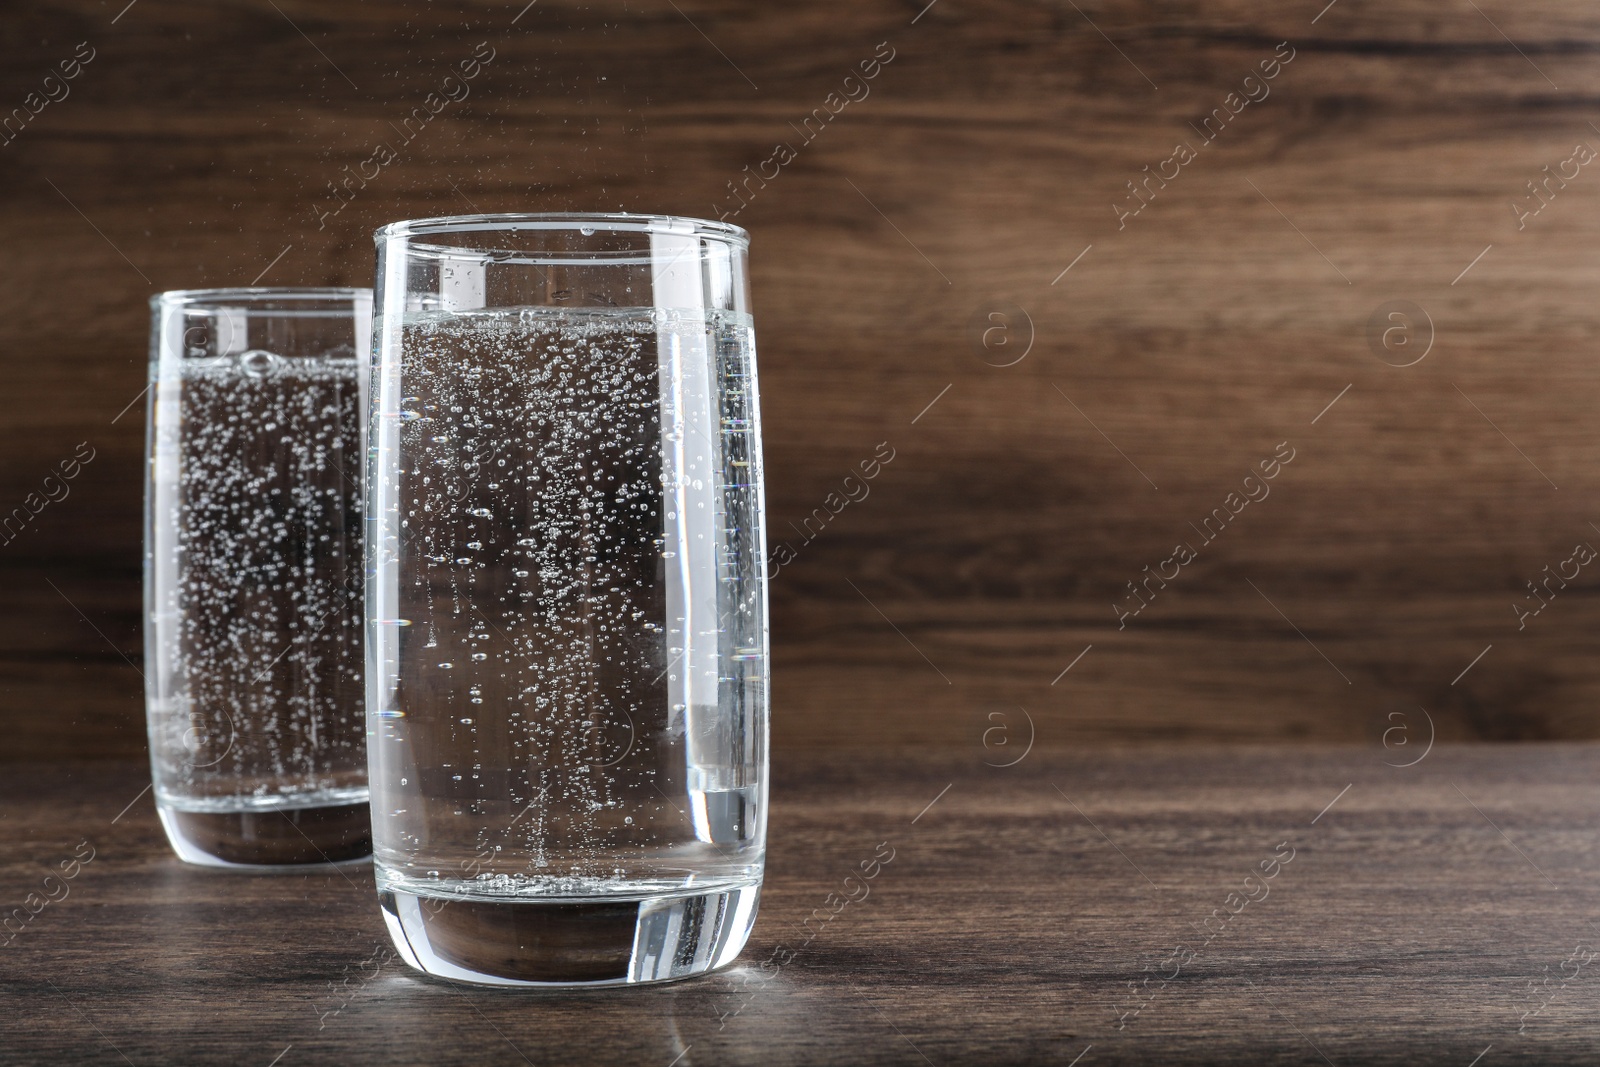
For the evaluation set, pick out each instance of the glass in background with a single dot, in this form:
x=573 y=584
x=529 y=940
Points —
x=253 y=571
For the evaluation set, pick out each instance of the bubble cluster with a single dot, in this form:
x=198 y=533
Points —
x=531 y=508
x=257 y=557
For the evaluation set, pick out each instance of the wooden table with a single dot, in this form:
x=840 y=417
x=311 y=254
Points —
x=1429 y=914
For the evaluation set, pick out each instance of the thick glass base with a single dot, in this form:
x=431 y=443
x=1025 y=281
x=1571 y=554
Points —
x=270 y=838
x=607 y=940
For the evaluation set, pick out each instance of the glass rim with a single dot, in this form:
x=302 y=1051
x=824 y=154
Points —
x=564 y=220
x=256 y=293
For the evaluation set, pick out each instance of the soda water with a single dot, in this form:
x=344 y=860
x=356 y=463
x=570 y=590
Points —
x=568 y=678
x=254 y=598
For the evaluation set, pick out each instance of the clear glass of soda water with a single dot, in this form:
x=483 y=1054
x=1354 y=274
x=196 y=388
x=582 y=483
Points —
x=567 y=620
x=253 y=574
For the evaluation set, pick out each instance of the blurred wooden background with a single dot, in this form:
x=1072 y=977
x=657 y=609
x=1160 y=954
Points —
x=196 y=146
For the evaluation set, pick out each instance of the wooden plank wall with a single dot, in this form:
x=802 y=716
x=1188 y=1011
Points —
x=1375 y=172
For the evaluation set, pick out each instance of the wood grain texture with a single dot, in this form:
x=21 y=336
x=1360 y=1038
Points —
x=1179 y=351
x=1416 y=922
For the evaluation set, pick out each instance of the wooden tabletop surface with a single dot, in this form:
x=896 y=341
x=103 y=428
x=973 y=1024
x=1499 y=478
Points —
x=1425 y=914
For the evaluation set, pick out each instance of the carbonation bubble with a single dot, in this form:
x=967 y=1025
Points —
x=257 y=363
x=537 y=496
x=260 y=551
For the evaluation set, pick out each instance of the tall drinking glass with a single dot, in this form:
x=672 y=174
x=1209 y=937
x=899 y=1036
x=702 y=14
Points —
x=253 y=569
x=567 y=656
